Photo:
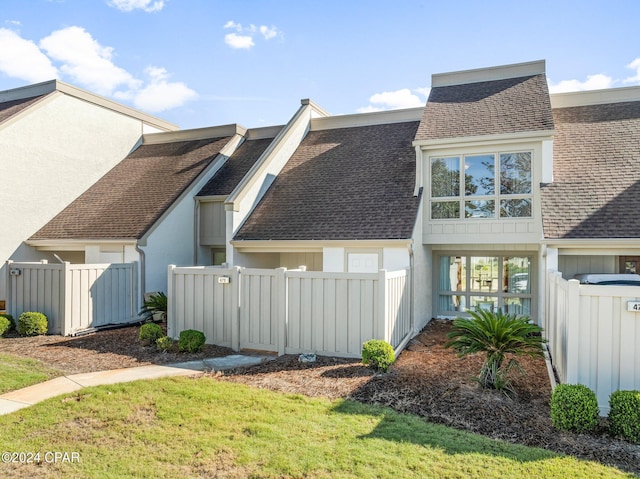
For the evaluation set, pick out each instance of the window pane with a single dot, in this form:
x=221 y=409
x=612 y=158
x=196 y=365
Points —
x=483 y=302
x=445 y=210
x=520 y=208
x=519 y=306
x=445 y=177
x=515 y=173
x=453 y=275
x=516 y=276
x=479 y=209
x=484 y=273
x=479 y=175
x=448 y=303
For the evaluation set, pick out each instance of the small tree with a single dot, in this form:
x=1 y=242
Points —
x=496 y=334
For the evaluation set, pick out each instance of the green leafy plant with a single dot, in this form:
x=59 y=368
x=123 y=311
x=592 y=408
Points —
x=574 y=407
x=164 y=343
x=624 y=415
x=5 y=325
x=32 y=324
x=378 y=355
x=496 y=334
x=191 y=341
x=155 y=304
x=150 y=333
x=12 y=322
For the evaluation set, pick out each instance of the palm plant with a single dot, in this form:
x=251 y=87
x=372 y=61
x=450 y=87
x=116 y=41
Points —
x=496 y=334
x=154 y=304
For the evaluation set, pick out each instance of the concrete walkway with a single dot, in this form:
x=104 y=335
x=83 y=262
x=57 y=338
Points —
x=21 y=398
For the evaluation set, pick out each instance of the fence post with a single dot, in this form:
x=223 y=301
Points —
x=282 y=298
x=135 y=307
x=572 y=331
x=8 y=303
x=380 y=327
x=67 y=318
x=171 y=317
x=236 y=278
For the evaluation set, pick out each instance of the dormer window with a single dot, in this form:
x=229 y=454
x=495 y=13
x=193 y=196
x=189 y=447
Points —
x=491 y=185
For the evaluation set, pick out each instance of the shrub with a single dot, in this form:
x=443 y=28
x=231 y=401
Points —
x=378 y=354
x=156 y=304
x=12 y=322
x=624 y=415
x=5 y=325
x=496 y=334
x=150 y=333
x=164 y=343
x=32 y=324
x=191 y=341
x=574 y=407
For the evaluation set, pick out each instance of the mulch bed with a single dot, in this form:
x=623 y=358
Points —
x=427 y=380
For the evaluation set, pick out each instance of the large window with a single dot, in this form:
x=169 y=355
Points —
x=486 y=282
x=495 y=185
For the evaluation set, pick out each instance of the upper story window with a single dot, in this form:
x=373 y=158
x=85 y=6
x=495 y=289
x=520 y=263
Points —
x=494 y=185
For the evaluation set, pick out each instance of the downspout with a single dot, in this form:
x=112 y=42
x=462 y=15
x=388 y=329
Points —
x=142 y=272
x=196 y=230
x=412 y=321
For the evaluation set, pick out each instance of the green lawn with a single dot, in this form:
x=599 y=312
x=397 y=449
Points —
x=183 y=427
x=16 y=372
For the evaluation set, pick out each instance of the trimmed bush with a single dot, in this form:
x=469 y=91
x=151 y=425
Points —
x=164 y=343
x=624 y=415
x=191 y=341
x=574 y=407
x=32 y=324
x=5 y=325
x=12 y=322
x=150 y=333
x=378 y=355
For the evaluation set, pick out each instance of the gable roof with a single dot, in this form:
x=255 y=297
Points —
x=13 y=107
x=494 y=107
x=235 y=168
x=130 y=198
x=596 y=187
x=342 y=184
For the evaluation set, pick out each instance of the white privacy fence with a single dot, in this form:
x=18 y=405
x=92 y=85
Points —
x=74 y=297
x=290 y=311
x=593 y=338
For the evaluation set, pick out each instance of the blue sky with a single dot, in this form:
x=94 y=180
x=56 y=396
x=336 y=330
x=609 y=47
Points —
x=202 y=63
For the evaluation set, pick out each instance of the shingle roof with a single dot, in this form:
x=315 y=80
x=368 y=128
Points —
x=131 y=197
x=342 y=184
x=511 y=105
x=236 y=167
x=596 y=188
x=10 y=108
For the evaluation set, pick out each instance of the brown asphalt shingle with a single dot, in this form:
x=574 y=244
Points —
x=131 y=197
x=596 y=188
x=494 y=107
x=10 y=108
x=342 y=184
x=236 y=167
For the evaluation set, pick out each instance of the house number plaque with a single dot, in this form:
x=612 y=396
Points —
x=633 y=306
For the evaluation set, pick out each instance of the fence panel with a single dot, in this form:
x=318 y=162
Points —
x=593 y=339
x=330 y=313
x=398 y=307
x=260 y=294
x=205 y=299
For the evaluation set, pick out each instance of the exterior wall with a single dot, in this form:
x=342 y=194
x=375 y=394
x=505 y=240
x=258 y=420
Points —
x=422 y=278
x=313 y=261
x=335 y=259
x=485 y=231
x=212 y=223
x=571 y=265
x=50 y=156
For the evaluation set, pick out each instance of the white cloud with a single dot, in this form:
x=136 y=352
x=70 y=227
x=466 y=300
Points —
x=86 y=61
x=392 y=100
x=634 y=65
x=159 y=94
x=593 y=82
x=245 y=37
x=20 y=58
x=130 y=5
x=238 y=41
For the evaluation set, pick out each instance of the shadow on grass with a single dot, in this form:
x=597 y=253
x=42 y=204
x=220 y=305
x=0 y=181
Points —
x=403 y=428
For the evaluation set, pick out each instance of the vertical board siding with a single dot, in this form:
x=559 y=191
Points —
x=291 y=311
x=594 y=339
x=75 y=297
